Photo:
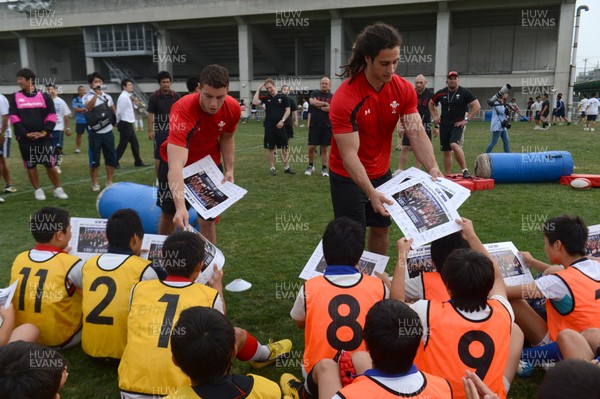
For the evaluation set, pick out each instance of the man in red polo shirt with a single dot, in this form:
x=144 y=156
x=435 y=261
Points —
x=364 y=112
x=200 y=124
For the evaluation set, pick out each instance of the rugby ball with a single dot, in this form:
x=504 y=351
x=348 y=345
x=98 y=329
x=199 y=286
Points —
x=580 y=183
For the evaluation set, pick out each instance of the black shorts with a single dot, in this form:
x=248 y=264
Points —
x=80 y=128
x=289 y=129
x=349 y=200
x=164 y=198
x=159 y=139
x=406 y=141
x=449 y=135
x=38 y=153
x=592 y=118
x=537 y=115
x=105 y=143
x=275 y=138
x=319 y=136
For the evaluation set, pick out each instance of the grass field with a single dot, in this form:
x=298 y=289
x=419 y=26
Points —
x=271 y=255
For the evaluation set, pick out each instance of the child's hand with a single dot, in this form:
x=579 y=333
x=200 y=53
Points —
x=527 y=257
x=7 y=313
x=468 y=231
x=403 y=246
x=474 y=387
x=217 y=279
x=385 y=278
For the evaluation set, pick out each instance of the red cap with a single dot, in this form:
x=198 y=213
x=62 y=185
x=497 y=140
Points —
x=453 y=73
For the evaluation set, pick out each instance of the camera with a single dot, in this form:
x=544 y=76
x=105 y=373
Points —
x=503 y=90
x=100 y=87
x=505 y=125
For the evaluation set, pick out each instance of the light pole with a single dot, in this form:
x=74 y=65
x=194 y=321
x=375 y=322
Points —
x=572 y=70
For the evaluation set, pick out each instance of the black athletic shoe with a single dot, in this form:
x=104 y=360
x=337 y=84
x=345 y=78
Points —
x=466 y=174
x=289 y=171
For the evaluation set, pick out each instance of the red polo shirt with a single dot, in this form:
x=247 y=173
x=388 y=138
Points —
x=356 y=106
x=199 y=132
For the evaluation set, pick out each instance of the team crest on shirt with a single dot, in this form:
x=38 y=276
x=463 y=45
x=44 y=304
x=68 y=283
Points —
x=368 y=111
x=394 y=104
x=279 y=100
x=221 y=126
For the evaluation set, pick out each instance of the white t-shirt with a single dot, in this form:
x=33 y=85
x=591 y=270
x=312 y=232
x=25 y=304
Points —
x=537 y=106
x=555 y=288
x=305 y=106
x=592 y=107
x=108 y=99
x=4 y=110
x=583 y=105
x=62 y=110
x=75 y=276
x=125 y=108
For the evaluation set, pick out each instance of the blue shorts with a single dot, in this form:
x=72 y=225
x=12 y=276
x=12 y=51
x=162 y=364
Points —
x=57 y=138
x=5 y=148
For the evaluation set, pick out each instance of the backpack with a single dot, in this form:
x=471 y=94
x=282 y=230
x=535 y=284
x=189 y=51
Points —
x=100 y=116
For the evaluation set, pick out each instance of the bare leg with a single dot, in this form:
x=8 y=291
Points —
x=448 y=162
x=286 y=156
x=459 y=155
x=240 y=338
x=311 y=153
x=533 y=326
x=378 y=240
x=53 y=176
x=94 y=175
x=156 y=163
x=592 y=336
x=326 y=374
x=165 y=224
x=324 y=155
x=514 y=356
x=272 y=158
x=32 y=174
x=25 y=332
x=362 y=361
x=78 y=141
x=110 y=172
x=5 y=171
x=573 y=345
x=209 y=230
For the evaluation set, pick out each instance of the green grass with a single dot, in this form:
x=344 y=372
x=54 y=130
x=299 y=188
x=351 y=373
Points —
x=271 y=259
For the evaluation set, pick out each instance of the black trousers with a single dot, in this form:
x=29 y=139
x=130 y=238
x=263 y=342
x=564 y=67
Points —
x=126 y=136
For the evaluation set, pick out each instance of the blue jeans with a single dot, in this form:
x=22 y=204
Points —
x=495 y=135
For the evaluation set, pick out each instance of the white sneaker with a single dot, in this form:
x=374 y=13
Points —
x=58 y=169
x=593 y=129
x=60 y=193
x=95 y=187
x=108 y=184
x=324 y=173
x=1 y=200
x=77 y=151
x=39 y=194
x=586 y=129
x=309 y=171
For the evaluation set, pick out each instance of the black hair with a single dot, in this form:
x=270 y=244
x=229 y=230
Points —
x=442 y=247
x=343 y=242
x=26 y=73
x=392 y=334
x=124 y=82
x=51 y=85
x=30 y=370
x=369 y=43
x=121 y=226
x=48 y=221
x=182 y=251
x=215 y=76
x=163 y=75
x=570 y=230
x=192 y=83
x=573 y=379
x=94 y=75
x=203 y=343
x=469 y=276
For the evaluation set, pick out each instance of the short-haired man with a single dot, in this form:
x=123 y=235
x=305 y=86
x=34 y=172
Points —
x=545 y=112
x=277 y=110
x=364 y=113
x=159 y=108
x=319 y=126
x=592 y=112
x=33 y=117
x=212 y=112
x=424 y=96
x=455 y=100
x=100 y=129
x=125 y=121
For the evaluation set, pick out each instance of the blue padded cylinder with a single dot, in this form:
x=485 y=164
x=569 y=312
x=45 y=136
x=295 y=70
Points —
x=136 y=196
x=529 y=167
